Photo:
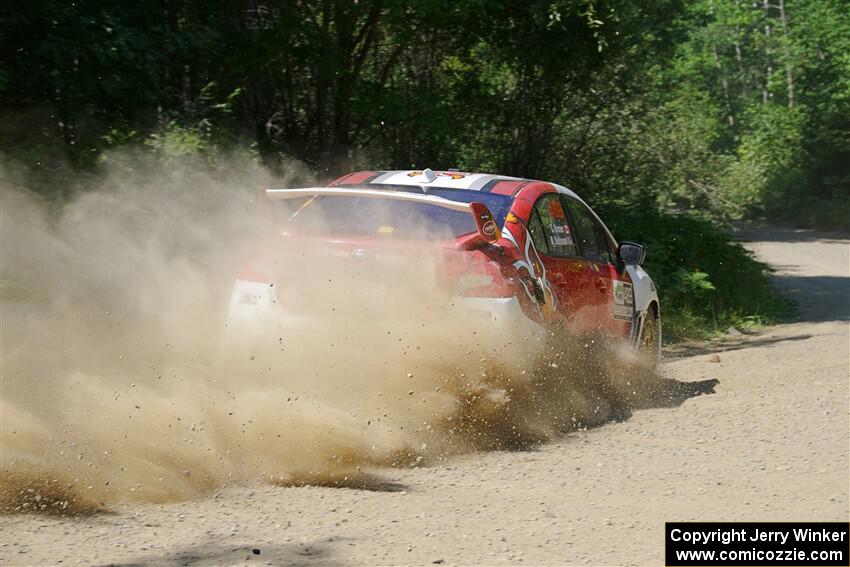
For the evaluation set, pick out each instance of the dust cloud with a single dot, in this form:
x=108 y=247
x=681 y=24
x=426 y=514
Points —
x=124 y=379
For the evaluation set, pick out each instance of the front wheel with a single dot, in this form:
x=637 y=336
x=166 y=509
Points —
x=650 y=338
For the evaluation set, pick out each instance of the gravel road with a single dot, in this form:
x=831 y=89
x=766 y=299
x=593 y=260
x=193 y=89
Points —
x=771 y=443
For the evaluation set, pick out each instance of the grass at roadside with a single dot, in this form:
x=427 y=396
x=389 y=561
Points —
x=707 y=282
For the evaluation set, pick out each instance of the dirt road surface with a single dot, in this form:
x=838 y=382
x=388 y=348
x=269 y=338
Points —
x=770 y=444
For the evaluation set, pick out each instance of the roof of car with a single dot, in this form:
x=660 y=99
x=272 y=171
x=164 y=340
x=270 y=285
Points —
x=451 y=179
x=447 y=179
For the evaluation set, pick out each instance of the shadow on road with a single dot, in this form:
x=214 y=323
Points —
x=819 y=298
x=293 y=554
x=661 y=393
x=361 y=481
x=686 y=350
x=670 y=393
x=811 y=268
x=786 y=234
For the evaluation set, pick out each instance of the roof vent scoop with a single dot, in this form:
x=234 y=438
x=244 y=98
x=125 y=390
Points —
x=429 y=174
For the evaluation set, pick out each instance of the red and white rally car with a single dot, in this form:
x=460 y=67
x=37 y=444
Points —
x=522 y=254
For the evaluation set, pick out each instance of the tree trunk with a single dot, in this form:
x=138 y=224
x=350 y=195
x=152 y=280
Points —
x=768 y=73
x=344 y=21
x=322 y=85
x=789 y=74
x=740 y=59
x=725 y=83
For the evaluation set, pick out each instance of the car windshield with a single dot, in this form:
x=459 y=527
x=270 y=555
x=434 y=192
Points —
x=362 y=216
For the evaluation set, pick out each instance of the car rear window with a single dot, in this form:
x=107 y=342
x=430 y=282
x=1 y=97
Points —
x=361 y=216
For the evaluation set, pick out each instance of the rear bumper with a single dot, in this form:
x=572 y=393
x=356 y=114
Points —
x=500 y=317
x=496 y=327
x=511 y=340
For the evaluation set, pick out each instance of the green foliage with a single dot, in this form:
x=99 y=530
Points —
x=116 y=137
x=706 y=281
x=176 y=141
x=768 y=162
x=721 y=106
x=779 y=76
x=691 y=284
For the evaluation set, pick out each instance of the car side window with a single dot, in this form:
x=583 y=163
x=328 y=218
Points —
x=556 y=228
x=535 y=228
x=606 y=249
x=591 y=237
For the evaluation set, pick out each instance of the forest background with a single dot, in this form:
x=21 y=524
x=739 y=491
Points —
x=676 y=119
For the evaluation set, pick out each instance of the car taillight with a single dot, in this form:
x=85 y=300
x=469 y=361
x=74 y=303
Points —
x=483 y=279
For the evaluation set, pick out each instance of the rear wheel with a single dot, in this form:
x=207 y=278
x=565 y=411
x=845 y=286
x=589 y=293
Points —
x=650 y=338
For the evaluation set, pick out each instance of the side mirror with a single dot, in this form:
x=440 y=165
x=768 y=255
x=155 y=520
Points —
x=631 y=253
x=484 y=221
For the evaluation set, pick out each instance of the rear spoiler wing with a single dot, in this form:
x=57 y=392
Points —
x=484 y=221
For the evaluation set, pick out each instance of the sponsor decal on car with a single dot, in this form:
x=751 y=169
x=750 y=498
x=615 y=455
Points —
x=535 y=272
x=556 y=211
x=561 y=236
x=451 y=174
x=624 y=300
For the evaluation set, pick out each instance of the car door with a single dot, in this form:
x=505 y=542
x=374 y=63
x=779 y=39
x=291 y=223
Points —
x=571 y=276
x=613 y=299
